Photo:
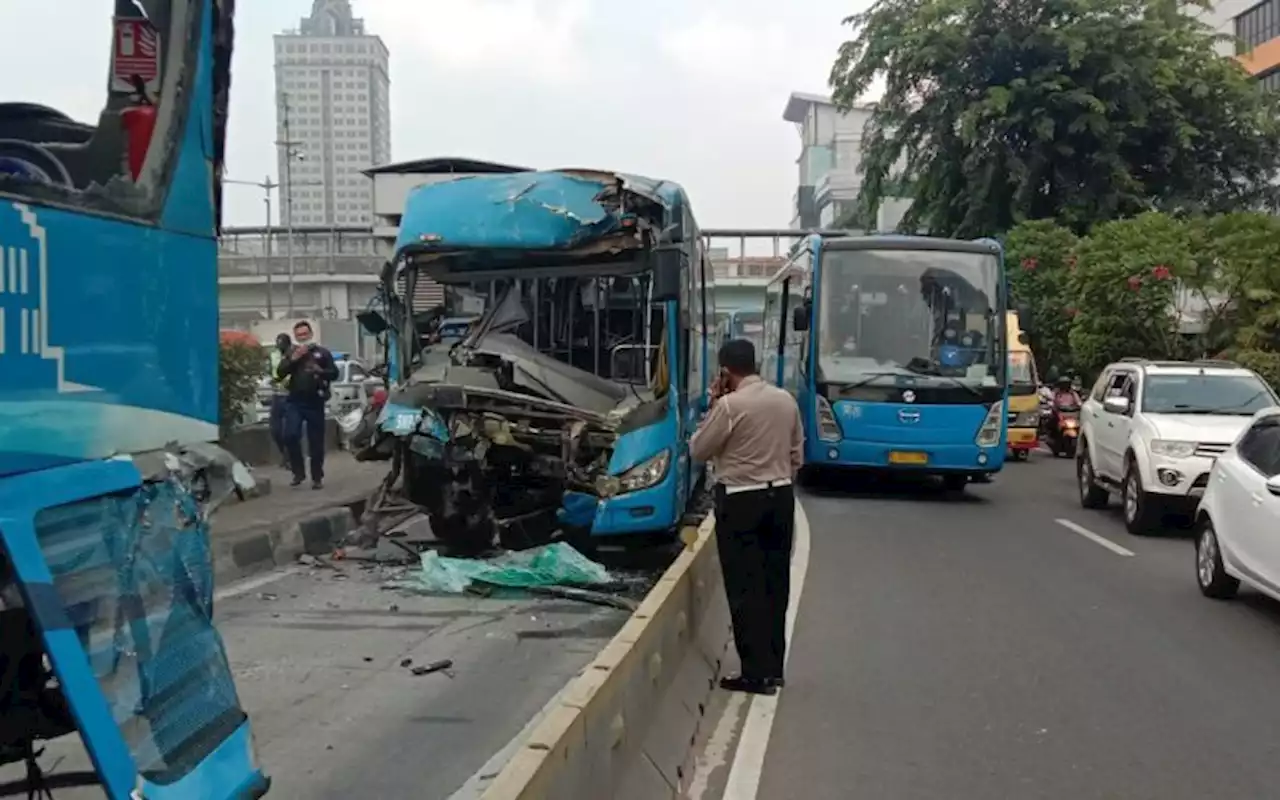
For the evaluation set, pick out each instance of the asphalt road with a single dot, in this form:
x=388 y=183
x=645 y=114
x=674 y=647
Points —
x=974 y=648
x=317 y=657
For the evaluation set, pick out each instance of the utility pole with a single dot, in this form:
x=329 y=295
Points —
x=267 y=185
x=290 y=153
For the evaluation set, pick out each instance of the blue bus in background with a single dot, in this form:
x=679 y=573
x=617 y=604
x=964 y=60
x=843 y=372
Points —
x=108 y=398
x=570 y=403
x=895 y=348
x=742 y=323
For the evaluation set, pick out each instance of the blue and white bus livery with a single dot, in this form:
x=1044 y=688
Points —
x=895 y=348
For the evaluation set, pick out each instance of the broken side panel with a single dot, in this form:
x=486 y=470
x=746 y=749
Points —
x=114 y=584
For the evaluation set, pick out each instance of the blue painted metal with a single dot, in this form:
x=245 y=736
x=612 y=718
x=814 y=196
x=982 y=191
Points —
x=140 y=371
x=109 y=345
x=518 y=211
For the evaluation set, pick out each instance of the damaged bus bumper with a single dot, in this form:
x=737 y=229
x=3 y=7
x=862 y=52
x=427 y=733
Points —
x=490 y=465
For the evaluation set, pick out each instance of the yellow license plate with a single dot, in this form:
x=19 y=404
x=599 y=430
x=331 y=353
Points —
x=908 y=458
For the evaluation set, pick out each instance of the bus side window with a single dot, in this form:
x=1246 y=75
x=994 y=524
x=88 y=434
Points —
x=93 y=154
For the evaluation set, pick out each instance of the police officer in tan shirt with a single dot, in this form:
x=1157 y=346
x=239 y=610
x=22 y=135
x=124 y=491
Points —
x=754 y=439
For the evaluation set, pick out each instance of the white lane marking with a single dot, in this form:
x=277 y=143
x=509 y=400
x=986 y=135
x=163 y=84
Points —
x=748 y=761
x=1095 y=538
x=718 y=748
x=256 y=582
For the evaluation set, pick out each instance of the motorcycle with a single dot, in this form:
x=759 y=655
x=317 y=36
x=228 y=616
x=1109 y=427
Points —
x=1064 y=430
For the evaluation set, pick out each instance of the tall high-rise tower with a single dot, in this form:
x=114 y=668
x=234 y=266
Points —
x=333 y=116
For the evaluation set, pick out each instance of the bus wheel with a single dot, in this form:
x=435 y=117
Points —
x=955 y=482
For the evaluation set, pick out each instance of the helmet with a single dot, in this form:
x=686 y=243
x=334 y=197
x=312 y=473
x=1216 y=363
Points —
x=1064 y=382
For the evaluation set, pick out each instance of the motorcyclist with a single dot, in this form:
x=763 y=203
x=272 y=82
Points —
x=1065 y=396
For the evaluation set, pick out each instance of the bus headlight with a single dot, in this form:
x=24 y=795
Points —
x=828 y=425
x=989 y=433
x=641 y=476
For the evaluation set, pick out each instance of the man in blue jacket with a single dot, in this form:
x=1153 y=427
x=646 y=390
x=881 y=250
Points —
x=310 y=369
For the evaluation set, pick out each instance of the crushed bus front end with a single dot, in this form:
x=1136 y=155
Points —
x=553 y=412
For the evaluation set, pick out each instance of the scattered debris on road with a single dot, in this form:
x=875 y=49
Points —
x=434 y=666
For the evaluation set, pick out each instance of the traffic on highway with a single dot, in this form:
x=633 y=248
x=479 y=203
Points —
x=1046 y=635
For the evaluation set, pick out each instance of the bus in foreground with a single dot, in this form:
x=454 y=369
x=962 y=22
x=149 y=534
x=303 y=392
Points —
x=895 y=348
x=108 y=411
x=570 y=403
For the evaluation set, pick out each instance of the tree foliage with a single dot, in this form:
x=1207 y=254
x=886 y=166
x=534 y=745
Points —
x=1075 y=110
x=1153 y=286
x=1039 y=256
x=240 y=366
x=1126 y=282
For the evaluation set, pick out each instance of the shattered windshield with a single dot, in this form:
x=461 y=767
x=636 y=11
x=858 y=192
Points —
x=135 y=574
x=910 y=312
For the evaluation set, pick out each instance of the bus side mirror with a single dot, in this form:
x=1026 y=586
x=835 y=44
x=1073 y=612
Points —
x=800 y=317
x=668 y=271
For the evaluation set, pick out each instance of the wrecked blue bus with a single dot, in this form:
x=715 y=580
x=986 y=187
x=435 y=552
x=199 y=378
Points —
x=570 y=403
x=108 y=408
x=895 y=348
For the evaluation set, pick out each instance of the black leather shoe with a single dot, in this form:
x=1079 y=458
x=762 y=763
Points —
x=738 y=683
x=296 y=481
x=779 y=682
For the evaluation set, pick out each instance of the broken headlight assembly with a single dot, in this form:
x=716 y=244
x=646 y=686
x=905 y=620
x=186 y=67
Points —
x=642 y=476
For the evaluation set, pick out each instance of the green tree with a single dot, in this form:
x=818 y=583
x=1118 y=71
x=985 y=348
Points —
x=998 y=111
x=1241 y=290
x=1039 y=256
x=241 y=365
x=1126 y=283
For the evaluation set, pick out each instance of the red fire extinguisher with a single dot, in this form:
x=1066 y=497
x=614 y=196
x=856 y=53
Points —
x=139 y=121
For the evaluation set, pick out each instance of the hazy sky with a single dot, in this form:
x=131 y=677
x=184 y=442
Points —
x=690 y=90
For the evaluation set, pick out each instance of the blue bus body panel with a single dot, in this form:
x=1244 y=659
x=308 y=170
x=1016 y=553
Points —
x=660 y=506
x=113 y=358
x=108 y=329
x=945 y=433
x=526 y=211
x=656 y=508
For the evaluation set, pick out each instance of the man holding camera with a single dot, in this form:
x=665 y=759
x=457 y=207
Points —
x=310 y=369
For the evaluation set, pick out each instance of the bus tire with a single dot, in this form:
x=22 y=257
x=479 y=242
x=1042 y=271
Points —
x=955 y=481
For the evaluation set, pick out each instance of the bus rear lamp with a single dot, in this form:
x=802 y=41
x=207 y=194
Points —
x=828 y=426
x=989 y=433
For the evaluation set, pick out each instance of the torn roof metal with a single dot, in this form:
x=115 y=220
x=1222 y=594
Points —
x=555 y=212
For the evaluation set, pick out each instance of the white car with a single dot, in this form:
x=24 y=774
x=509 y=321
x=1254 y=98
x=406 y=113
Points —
x=1150 y=431
x=1239 y=518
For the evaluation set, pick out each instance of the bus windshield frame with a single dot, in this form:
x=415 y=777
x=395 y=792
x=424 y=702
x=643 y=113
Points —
x=935 y=315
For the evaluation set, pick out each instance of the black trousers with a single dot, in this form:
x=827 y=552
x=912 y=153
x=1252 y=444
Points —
x=754 y=532
x=300 y=415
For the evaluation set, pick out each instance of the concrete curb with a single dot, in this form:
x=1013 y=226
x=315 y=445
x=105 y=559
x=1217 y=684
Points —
x=240 y=553
x=625 y=727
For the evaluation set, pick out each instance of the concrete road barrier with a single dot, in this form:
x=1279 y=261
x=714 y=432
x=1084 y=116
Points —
x=625 y=728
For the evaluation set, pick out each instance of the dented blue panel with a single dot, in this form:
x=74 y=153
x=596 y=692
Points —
x=523 y=210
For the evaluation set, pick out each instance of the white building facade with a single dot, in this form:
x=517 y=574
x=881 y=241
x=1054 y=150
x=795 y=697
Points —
x=829 y=166
x=333 y=112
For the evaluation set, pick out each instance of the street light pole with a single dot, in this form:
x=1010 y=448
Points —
x=289 y=154
x=266 y=186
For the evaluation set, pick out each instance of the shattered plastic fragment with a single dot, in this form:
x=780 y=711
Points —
x=553 y=565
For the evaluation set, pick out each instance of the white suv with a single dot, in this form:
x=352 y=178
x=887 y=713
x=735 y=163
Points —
x=1151 y=430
